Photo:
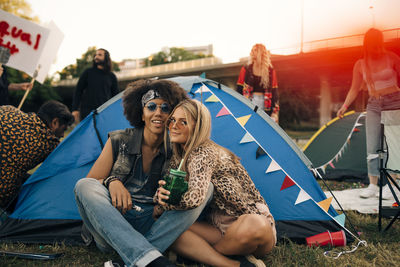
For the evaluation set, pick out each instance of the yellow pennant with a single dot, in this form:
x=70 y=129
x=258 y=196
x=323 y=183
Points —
x=324 y=204
x=212 y=98
x=243 y=120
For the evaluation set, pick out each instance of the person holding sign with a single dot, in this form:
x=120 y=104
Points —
x=4 y=84
x=116 y=200
x=239 y=222
x=95 y=86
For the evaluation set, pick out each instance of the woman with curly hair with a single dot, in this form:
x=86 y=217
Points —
x=116 y=199
x=239 y=223
x=257 y=81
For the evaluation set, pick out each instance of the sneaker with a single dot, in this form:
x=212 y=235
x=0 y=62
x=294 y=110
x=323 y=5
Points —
x=248 y=261
x=387 y=194
x=370 y=191
x=114 y=263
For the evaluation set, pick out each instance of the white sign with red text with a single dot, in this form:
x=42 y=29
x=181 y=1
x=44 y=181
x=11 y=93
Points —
x=31 y=46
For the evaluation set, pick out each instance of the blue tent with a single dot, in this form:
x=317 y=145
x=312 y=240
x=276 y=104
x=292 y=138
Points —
x=46 y=209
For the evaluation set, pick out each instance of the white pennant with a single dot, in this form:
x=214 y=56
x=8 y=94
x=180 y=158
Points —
x=303 y=196
x=273 y=167
x=358 y=124
x=203 y=89
x=247 y=138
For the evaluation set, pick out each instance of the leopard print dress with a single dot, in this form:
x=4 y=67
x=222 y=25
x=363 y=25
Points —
x=234 y=192
x=25 y=141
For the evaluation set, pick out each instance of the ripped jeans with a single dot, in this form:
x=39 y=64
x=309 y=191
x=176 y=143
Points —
x=373 y=127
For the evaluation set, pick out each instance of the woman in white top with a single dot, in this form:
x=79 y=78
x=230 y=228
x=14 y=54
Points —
x=379 y=70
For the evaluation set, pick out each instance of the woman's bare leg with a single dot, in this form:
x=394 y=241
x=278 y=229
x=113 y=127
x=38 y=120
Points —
x=194 y=244
x=249 y=234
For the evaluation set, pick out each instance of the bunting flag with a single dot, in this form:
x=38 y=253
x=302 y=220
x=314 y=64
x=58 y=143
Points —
x=344 y=146
x=273 y=166
x=202 y=89
x=260 y=152
x=341 y=218
x=212 y=98
x=224 y=111
x=247 y=138
x=243 y=120
x=303 y=196
x=325 y=204
x=288 y=182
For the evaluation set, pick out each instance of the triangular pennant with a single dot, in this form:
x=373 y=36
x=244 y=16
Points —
x=323 y=168
x=202 y=89
x=247 y=138
x=303 y=196
x=260 y=152
x=224 y=111
x=341 y=218
x=331 y=164
x=337 y=158
x=288 y=182
x=358 y=124
x=324 y=204
x=212 y=98
x=356 y=130
x=243 y=120
x=273 y=166
x=203 y=75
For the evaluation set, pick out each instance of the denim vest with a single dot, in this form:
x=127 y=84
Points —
x=127 y=152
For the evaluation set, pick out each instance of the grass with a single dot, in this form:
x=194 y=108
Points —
x=382 y=250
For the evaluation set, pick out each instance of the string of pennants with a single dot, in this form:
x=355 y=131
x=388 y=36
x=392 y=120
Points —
x=343 y=148
x=273 y=166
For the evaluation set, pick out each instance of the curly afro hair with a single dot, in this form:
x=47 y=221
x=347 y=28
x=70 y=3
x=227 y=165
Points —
x=132 y=98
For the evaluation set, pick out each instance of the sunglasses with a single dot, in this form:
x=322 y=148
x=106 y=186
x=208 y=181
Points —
x=151 y=106
x=180 y=124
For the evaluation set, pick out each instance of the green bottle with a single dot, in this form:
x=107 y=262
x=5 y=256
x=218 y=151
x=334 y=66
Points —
x=176 y=185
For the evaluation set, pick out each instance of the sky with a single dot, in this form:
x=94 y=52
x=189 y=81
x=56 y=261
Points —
x=131 y=29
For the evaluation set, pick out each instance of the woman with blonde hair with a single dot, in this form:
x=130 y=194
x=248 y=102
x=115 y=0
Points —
x=257 y=81
x=379 y=70
x=238 y=223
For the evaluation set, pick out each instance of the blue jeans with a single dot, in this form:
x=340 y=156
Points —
x=136 y=237
x=373 y=127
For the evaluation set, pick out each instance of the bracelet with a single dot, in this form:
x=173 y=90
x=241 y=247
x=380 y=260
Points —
x=345 y=106
x=109 y=179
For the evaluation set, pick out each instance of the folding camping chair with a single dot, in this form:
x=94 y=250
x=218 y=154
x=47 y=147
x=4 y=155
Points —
x=390 y=138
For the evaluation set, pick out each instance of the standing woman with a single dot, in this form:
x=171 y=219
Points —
x=379 y=70
x=257 y=81
x=239 y=221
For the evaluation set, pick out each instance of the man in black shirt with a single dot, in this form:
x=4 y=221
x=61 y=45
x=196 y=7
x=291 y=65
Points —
x=95 y=86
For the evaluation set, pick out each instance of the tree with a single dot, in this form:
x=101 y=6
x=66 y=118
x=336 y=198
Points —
x=82 y=63
x=172 y=55
x=19 y=8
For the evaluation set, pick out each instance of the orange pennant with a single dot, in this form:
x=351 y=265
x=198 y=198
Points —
x=325 y=204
